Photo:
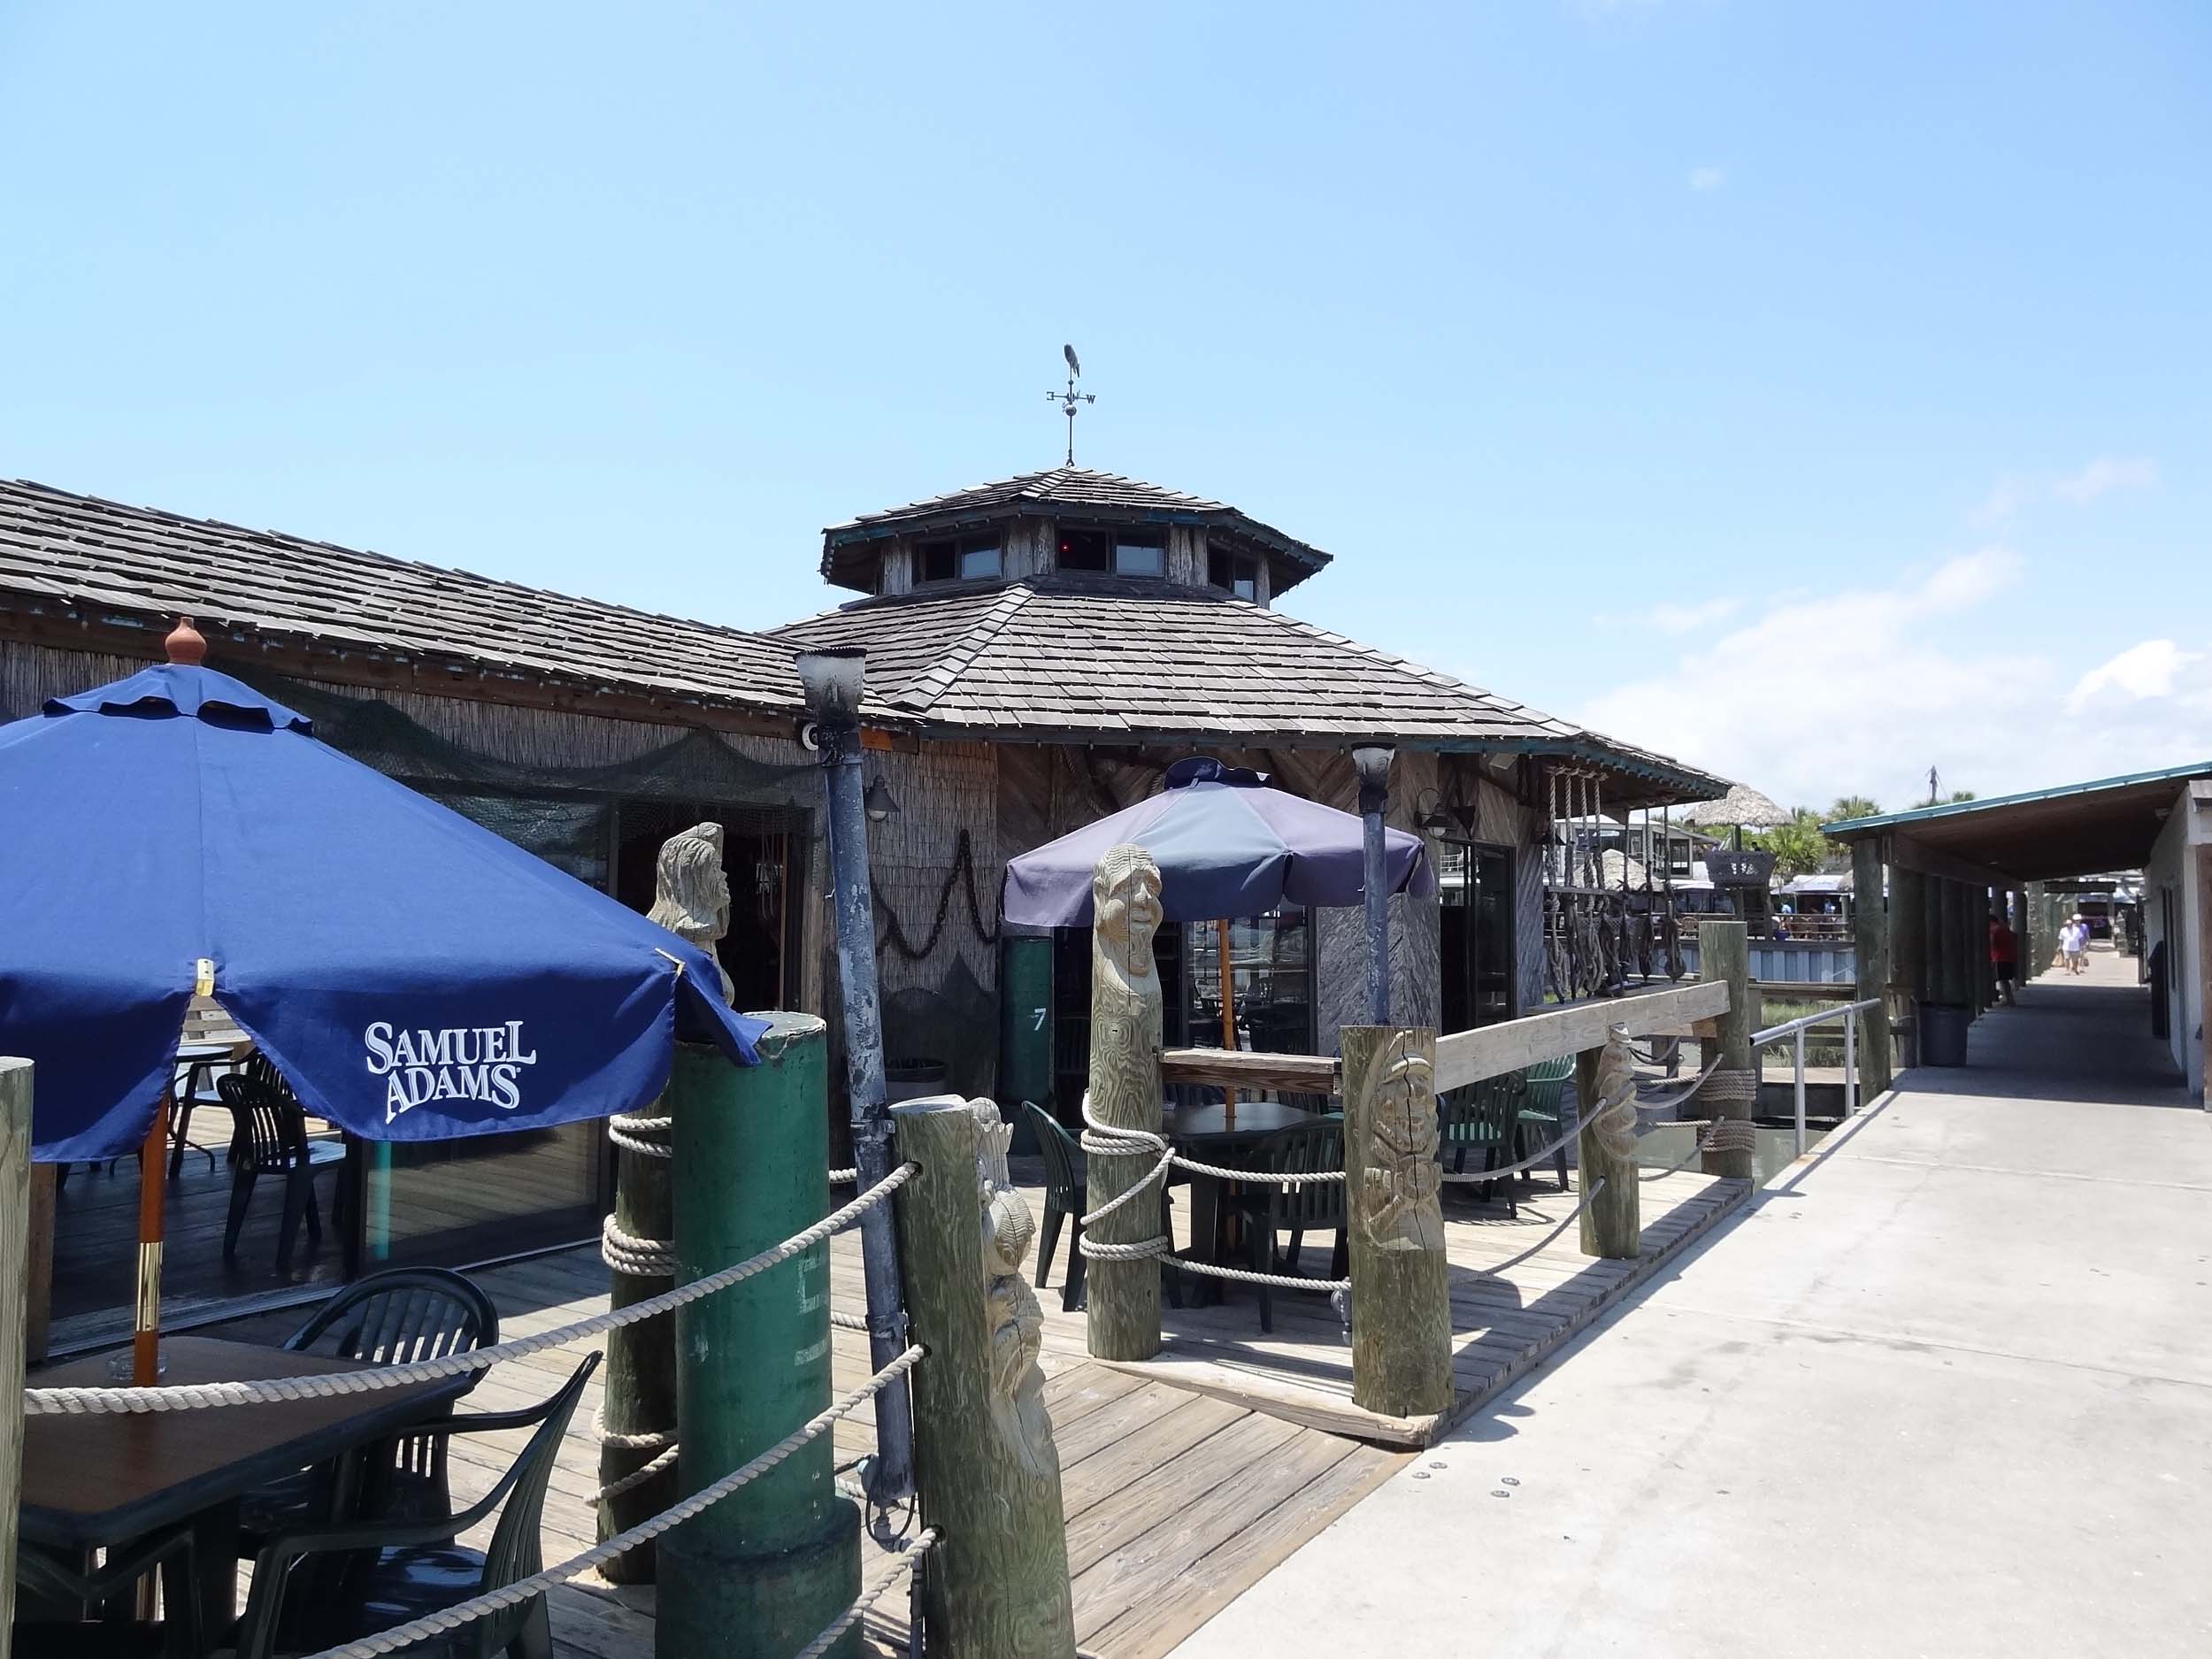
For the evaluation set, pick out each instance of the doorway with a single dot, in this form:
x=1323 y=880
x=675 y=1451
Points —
x=1475 y=883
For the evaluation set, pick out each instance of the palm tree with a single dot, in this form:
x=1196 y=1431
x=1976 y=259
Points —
x=1853 y=806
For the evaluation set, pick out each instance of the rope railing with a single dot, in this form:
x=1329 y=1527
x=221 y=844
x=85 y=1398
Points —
x=908 y=1561
x=198 y=1396
x=446 y=1620
x=1668 y=1103
x=1492 y=1269
x=1721 y=1134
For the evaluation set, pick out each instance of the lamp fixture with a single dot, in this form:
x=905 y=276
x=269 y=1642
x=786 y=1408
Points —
x=878 y=803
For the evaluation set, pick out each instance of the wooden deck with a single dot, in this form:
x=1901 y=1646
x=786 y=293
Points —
x=1186 y=1478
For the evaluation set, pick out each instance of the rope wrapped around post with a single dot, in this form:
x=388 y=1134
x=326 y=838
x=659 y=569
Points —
x=200 y=1396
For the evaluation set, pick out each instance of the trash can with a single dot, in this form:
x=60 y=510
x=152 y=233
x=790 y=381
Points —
x=913 y=1078
x=1943 y=1034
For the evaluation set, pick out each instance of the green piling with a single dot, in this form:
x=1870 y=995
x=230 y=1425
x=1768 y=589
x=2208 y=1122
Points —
x=762 y=1573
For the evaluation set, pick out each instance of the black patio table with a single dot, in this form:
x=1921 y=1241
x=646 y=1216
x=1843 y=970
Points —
x=1216 y=1133
x=96 y=1481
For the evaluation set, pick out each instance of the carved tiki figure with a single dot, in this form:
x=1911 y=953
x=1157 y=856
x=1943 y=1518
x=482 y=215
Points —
x=1016 y=1322
x=1399 y=1209
x=1125 y=988
x=691 y=895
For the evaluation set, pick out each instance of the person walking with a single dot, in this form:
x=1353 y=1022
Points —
x=2073 y=939
x=2004 y=956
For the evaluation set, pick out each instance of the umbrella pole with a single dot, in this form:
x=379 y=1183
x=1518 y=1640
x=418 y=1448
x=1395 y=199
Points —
x=153 y=1159
x=1228 y=1005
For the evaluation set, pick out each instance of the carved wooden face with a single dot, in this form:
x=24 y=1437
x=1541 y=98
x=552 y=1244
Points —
x=690 y=876
x=1125 y=897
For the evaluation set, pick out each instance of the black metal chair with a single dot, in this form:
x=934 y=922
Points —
x=390 y=1318
x=69 y=1614
x=1310 y=1207
x=1067 y=1196
x=396 y=1572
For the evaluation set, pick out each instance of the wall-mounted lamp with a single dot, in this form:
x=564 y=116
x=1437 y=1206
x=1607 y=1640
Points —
x=878 y=803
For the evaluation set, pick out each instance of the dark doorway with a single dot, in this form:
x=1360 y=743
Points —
x=759 y=848
x=1476 y=936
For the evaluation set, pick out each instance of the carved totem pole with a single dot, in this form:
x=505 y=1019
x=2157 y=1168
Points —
x=1401 y=1318
x=1125 y=1093
x=1605 y=1090
x=692 y=901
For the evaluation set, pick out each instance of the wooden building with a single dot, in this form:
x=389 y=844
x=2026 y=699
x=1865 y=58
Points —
x=1039 y=651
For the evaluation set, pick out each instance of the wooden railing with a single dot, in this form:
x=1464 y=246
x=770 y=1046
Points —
x=1465 y=1056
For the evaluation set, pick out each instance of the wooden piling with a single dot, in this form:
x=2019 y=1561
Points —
x=1731 y=1092
x=1402 y=1312
x=1907 y=954
x=15 y=1213
x=1871 y=939
x=1605 y=1095
x=641 y=1401
x=997 y=1583
x=1125 y=1093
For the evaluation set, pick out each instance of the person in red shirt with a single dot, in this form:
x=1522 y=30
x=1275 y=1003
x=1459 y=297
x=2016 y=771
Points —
x=2004 y=956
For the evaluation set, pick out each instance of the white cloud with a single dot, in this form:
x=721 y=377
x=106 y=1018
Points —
x=2105 y=473
x=1669 y=618
x=1706 y=179
x=1860 y=690
x=2006 y=497
x=2149 y=670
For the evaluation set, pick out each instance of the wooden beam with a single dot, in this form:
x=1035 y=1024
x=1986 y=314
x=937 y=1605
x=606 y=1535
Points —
x=15 y=1212
x=1468 y=1056
x=1900 y=848
x=1250 y=1073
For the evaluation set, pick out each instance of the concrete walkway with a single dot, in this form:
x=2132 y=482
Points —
x=1945 y=1390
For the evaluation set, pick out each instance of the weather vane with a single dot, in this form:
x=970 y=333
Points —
x=1069 y=399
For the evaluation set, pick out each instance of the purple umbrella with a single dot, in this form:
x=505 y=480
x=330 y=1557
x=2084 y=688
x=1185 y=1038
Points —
x=1226 y=844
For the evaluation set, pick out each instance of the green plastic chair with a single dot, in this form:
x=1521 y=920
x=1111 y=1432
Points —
x=1540 y=1121
x=1483 y=1118
x=396 y=1572
x=1314 y=1206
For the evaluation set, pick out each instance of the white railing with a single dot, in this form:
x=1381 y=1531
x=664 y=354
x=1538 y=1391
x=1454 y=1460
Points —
x=1795 y=1029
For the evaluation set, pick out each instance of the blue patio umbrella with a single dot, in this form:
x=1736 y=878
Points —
x=411 y=975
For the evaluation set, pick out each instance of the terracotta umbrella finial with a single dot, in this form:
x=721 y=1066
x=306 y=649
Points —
x=186 y=644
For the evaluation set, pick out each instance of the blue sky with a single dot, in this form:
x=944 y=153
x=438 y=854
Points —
x=1817 y=393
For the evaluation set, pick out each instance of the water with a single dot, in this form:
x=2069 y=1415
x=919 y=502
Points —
x=1665 y=1145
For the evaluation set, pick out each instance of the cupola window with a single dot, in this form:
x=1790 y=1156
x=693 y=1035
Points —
x=959 y=558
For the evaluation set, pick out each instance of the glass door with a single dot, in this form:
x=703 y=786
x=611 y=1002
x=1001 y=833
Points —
x=1475 y=883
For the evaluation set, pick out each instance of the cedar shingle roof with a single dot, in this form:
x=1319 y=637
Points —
x=1116 y=660
x=1095 y=495
x=113 y=559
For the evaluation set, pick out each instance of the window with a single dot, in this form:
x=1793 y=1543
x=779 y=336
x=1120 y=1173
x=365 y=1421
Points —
x=1141 y=553
x=1086 y=550
x=1238 y=572
x=957 y=558
x=1475 y=933
x=1131 y=552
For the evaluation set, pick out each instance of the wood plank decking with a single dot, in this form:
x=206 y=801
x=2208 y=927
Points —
x=1186 y=1478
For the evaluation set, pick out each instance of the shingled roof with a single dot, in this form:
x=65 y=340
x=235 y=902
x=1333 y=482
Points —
x=1097 y=496
x=109 y=562
x=1110 y=659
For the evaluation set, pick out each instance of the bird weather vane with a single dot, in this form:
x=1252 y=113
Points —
x=1069 y=399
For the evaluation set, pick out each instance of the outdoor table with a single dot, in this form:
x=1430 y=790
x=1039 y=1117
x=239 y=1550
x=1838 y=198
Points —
x=199 y=1060
x=1216 y=1133
x=96 y=1481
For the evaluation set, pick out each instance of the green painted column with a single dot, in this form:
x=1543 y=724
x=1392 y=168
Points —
x=760 y=1574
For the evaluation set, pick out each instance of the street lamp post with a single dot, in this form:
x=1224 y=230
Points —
x=1372 y=762
x=833 y=679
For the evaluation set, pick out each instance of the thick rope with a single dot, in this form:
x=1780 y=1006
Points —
x=626 y=1132
x=1667 y=1104
x=1729 y=1086
x=640 y=1258
x=196 y=1397
x=1723 y=1135
x=844 y=1177
x=909 y=1560
x=1164 y=1248
x=1470 y=1177
x=1581 y=1203
x=446 y=1620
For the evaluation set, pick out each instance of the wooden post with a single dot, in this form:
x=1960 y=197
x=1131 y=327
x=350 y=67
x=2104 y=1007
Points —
x=15 y=1214
x=761 y=1574
x=1731 y=1092
x=640 y=1399
x=1125 y=1093
x=1401 y=1310
x=1946 y=980
x=1870 y=941
x=1907 y=954
x=1605 y=1095
x=997 y=1585
x=1985 y=971
x=2204 y=973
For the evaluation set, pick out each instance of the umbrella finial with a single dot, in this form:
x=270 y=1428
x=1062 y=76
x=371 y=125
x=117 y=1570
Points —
x=187 y=645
